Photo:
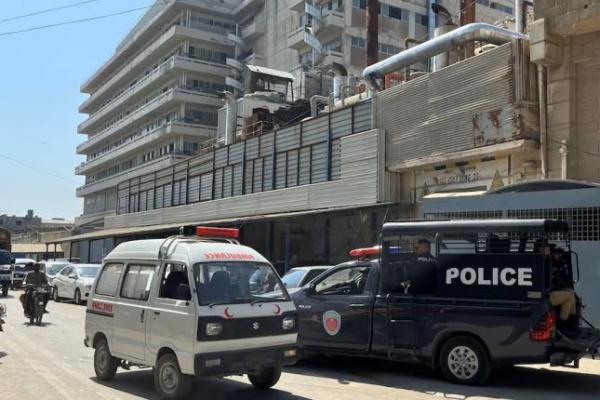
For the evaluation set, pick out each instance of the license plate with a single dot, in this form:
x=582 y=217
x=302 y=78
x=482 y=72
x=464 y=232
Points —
x=41 y=303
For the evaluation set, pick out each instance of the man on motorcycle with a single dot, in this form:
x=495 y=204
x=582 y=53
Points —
x=34 y=278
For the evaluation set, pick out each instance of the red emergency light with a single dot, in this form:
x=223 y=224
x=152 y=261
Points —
x=366 y=251
x=207 y=231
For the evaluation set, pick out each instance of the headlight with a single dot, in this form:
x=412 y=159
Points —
x=5 y=268
x=288 y=323
x=214 y=328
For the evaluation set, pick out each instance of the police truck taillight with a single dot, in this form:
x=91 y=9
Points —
x=544 y=329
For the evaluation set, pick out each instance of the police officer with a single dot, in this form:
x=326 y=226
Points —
x=424 y=272
x=562 y=294
x=34 y=278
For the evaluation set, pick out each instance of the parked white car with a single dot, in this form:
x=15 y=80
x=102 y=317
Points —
x=52 y=268
x=74 y=282
x=297 y=277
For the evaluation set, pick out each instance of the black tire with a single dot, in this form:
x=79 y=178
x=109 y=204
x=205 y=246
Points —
x=105 y=365
x=5 y=290
x=77 y=297
x=55 y=295
x=266 y=378
x=465 y=361
x=169 y=381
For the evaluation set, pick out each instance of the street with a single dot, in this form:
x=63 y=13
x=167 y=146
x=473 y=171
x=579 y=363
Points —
x=51 y=362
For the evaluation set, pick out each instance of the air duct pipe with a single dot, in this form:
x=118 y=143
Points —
x=340 y=78
x=519 y=16
x=314 y=103
x=446 y=42
x=230 y=117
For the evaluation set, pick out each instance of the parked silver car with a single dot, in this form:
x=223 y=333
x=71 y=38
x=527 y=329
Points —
x=74 y=282
x=297 y=277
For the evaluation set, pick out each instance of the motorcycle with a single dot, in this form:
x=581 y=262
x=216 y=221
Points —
x=37 y=295
x=2 y=315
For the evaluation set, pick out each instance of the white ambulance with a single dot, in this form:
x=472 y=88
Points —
x=186 y=306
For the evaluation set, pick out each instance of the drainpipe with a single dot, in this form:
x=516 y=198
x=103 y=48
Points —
x=423 y=52
x=519 y=16
x=542 y=100
x=564 y=159
x=315 y=101
x=231 y=117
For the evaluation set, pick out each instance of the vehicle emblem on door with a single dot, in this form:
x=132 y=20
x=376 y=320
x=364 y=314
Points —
x=255 y=326
x=332 y=322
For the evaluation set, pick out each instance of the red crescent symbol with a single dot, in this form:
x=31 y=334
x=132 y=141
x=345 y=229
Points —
x=277 y=309
x=227 y=313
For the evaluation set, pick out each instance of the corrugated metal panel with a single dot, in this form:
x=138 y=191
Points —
x=248 y=179
x=288 y=138
x=266 y=144
x=159 y=197
x=206 y=182
x=168 y=196
x=336 y=159
x=315 y=130
x=319 y=163
x=201 y=168
x=227 y=181
x=341 y=123
x=219 y=183
x=180 y=175
x=194 y=189
x=305 y=166
x=238 y=172
x=221 y=157
x=439 y=112
x=280 y=170
x=221 y=118
x=292 y=173
x=268 y=174
x=362 y=116
x=252 y=149
x=236 y=153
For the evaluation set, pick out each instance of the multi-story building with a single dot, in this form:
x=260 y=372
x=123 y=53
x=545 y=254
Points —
x=18 y=225
x=155 y=100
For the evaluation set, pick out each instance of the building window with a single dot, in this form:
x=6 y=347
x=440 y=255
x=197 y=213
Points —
x=422 y=19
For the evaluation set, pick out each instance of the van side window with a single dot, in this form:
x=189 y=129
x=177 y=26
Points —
x=174 y=283
x=137 y=282
x=109 y=280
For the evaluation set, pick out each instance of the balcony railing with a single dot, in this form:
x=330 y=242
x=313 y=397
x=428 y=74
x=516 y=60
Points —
x=331 y=23
x=144 y=110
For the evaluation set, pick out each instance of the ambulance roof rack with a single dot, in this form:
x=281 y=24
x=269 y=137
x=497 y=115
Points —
x=202 y=234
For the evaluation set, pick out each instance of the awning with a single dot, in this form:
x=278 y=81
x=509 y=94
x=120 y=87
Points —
x=272 y=72
x=443 y=195
x=119 y=232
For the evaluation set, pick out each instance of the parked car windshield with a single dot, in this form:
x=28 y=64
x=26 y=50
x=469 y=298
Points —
x=55 y=268
x=292 y=278
x=5 y=257
x=88 y=272
x=237 y=282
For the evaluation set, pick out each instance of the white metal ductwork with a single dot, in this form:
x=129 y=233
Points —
x=446 y=42
x=231 y=117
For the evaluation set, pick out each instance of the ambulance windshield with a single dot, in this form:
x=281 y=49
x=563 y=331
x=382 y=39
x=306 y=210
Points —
x=237 y=282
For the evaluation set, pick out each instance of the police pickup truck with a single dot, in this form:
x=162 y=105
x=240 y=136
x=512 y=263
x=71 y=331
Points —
x=459 y=296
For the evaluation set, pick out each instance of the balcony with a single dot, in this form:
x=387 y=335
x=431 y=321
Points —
x=151 y=108
x=114 y=180
x=331 y=24
x=254 y=59
x=171 y=129
x=297 y=5
x=296 y=39
x=233 y=63
x=254 y=30
x=137 y=64
x=330 y=57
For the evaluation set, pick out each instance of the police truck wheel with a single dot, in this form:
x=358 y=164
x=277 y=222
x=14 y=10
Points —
x=105 y=365
x=77 y=297
x=464 y=360
x=169 y=381
x=265 y=378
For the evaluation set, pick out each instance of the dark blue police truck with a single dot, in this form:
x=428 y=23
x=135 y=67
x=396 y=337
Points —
x=460 y=296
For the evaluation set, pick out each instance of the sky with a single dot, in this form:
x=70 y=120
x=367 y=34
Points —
x=40 y=75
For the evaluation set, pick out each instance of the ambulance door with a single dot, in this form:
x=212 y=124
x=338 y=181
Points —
x=335 y=311
x=131 y=314
x=173 y=318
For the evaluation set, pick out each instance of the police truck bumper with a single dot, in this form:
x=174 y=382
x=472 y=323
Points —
x=244 y=361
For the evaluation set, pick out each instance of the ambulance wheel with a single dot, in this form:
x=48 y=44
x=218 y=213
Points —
x=464 y=360
x=169 y=381
x=105 y=365
x=265 y=378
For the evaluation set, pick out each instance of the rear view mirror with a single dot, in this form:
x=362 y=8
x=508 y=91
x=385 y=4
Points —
x=310 y=289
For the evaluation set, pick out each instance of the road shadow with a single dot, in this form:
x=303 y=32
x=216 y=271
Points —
x=518 y=383
x=41 y=325
x=7 y=297
x=141 y=383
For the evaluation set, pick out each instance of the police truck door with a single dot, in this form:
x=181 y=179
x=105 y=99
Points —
x=337 y=310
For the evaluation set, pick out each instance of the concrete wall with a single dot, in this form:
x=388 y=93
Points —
x=566 y=40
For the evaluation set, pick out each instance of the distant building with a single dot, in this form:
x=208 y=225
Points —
x=21 y=225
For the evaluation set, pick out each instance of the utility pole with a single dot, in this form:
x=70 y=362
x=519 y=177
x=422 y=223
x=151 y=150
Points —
x=467 y=16
x=373 y=31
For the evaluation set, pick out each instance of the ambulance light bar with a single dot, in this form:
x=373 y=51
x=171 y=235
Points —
x=206 y=231
x=366 y=251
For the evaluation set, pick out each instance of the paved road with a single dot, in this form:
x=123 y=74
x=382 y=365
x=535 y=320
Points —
x=50 y=362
